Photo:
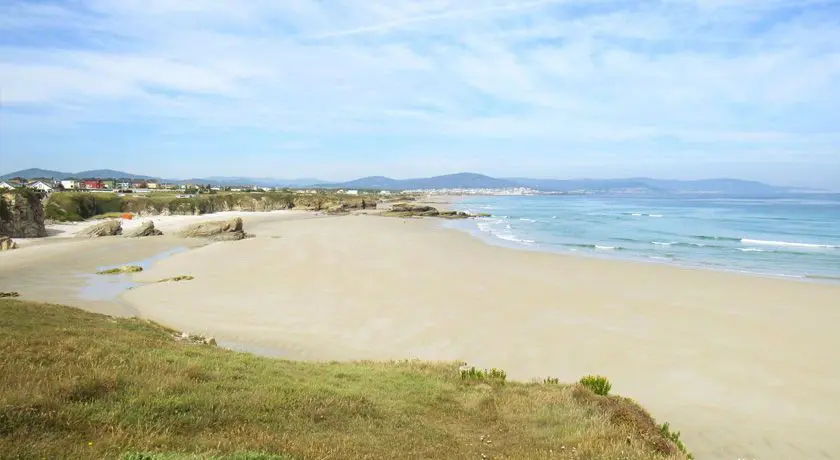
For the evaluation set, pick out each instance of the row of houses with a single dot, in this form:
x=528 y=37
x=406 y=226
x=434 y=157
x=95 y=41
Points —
x=50 y=185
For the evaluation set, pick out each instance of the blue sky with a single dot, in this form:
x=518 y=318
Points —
x=338 y=89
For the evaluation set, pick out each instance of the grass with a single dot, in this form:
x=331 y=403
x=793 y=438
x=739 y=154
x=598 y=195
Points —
x=79 y=385
x=120 y=270
x=177 y=278
x=597 y=384
x=674 y=436
x=108 y=215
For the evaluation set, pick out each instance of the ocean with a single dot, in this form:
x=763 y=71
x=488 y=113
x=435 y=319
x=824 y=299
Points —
x=792 y=236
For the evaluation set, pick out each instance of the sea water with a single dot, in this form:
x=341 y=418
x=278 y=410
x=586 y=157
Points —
x=792 y=235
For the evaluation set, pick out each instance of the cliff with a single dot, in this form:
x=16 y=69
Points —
x=74 y=206
x=21 y=214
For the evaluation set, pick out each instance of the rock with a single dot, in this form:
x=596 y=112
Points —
x=339 y=208
x=110 y=227
x=9 y=294
x=21 y=214
x=416 y=208
x=219 y=230
x=7 y=244
x=147 y=228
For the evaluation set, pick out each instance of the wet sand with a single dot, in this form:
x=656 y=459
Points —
x=745 y=367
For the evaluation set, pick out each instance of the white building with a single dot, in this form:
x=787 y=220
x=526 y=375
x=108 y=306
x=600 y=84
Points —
x=351 y=192
x=40 y=185
x=385 y=192
x=6 y=186
x=70 y=184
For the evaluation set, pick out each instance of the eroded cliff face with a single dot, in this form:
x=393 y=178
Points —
x=21 y=214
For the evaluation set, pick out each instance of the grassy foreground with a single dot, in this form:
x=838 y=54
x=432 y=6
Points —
x=79 y=385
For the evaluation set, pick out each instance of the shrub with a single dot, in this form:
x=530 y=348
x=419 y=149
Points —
x=551 y=381
x=597 y=384
x=674 y=436
x=491 y=375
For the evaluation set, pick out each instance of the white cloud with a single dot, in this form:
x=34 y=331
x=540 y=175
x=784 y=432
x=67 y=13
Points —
x=713 y=71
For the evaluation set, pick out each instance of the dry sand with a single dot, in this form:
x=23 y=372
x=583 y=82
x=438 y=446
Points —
x=745 y=367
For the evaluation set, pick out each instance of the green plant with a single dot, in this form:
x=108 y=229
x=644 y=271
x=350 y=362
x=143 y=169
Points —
x=551 y=381
x=674 y=436
x=119 y=270
x=597 y=384
x=80 y=385
x=487 y=375
x=177 y=278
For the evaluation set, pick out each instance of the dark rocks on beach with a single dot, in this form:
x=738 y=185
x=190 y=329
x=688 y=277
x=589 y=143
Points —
x=419 y=210
x=21 y=214
x=195 y=339
x=110 y=227
x=147 y=228
x=414 y=210
x=7 y=244
x=230 y=230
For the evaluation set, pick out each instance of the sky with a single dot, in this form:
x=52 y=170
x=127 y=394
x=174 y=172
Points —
x=338 y=89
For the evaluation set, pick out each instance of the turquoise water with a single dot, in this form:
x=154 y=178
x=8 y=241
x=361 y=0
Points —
x=788 y=236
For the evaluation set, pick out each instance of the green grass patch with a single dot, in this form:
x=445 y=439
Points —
x=674 y=436
x=107 y=215
x=177 y=278
x=120 y=270
x=492 y=376
x=597 y=384
x=79 y=385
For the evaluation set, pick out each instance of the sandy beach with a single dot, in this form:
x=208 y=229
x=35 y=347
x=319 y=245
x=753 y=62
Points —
x=745 y=367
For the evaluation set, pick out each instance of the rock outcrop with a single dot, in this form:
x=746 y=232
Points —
x=21 y=214
x=110 y=227
x=220 y=230
x=419 y=210
x=147 y=228
x=414 y=209
x=7 y=244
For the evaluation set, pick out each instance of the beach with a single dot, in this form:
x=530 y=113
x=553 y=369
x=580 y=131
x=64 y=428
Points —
x=744 y=366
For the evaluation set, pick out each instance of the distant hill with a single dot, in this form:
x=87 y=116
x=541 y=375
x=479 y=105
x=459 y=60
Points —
x=110 y=173
x=567 y=185
x=258 y=181
x=459 y=180
x=726 y=186
x=34 y=173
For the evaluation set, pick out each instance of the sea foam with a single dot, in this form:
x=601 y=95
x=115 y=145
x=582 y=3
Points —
x=788 y=244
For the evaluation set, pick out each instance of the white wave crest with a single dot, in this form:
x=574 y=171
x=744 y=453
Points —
x=788 y=244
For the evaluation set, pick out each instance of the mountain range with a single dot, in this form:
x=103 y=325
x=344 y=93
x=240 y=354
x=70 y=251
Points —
x=449 y=181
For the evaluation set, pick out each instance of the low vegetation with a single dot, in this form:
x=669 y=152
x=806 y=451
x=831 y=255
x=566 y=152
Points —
x=77 y=206
x=79 y=385
x=177 y=278
x=597 y=384
x=120 y=270
x=4 y=294
x=674 y=436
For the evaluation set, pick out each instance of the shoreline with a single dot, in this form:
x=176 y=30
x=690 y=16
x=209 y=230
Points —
x=471 y=227
x=717 y=354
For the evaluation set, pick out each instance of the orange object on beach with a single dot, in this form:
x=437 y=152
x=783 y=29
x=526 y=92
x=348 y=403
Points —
x=128 y=216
